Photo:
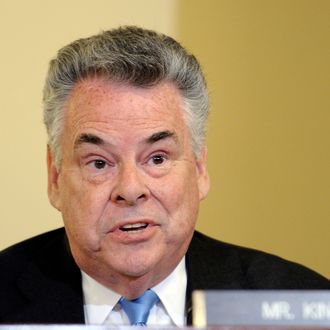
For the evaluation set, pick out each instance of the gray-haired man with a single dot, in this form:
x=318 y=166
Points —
x=125 y=113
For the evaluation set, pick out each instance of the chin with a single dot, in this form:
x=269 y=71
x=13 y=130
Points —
x=137 y=265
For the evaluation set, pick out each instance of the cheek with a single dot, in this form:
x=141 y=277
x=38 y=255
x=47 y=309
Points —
x=75 y=190
x=180 y=197
x=81 y=204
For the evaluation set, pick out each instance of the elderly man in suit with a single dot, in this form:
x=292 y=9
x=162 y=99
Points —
x=125 y=112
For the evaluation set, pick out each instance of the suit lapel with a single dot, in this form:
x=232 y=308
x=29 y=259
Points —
x=211 y=265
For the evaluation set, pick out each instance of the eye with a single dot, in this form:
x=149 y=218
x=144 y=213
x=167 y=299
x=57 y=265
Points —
x=98 y=164
x=158 y=159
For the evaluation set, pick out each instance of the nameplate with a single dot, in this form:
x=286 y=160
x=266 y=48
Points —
x=261 y=307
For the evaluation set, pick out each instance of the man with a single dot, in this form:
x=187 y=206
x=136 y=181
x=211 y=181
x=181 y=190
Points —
x=125 y=113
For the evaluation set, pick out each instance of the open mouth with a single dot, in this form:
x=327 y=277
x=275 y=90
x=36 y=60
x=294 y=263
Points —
x=134 y=227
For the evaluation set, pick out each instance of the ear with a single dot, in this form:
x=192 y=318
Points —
x=53 y=175
x=202 y=174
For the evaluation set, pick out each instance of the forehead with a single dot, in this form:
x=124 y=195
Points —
x=96 y=100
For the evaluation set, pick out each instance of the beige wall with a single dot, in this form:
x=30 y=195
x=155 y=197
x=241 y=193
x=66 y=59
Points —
x=267 y=63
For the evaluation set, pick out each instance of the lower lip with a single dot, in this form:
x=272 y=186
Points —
x=134 y=236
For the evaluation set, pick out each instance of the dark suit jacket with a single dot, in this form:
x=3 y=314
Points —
x=40 y=282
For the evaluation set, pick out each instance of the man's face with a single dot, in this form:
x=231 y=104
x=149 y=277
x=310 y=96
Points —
x=129 y=185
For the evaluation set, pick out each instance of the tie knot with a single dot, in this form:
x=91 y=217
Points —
x=138 y=309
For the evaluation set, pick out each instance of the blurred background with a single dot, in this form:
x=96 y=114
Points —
x=268 y=70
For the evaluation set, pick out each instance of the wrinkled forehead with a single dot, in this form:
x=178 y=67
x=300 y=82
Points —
x=111 y=106
x=98 y=93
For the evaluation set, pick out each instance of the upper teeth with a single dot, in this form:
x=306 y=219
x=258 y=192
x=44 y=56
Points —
x=134 y=225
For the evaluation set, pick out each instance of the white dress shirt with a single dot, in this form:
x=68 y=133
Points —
x=101 y=304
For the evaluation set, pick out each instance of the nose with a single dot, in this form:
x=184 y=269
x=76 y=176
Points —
x=130 y=187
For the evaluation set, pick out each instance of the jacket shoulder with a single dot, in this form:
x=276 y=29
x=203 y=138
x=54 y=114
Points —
x=17 y=256
x=40 y=282
x=15 y=259
x=246 y=268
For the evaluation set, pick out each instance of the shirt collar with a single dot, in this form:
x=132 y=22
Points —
x=98 y=299
x=171 y=292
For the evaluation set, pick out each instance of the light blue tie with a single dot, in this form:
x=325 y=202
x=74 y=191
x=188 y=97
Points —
x=138 y=309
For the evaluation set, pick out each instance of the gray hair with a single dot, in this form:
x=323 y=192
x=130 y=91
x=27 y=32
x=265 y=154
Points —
x=131 y=55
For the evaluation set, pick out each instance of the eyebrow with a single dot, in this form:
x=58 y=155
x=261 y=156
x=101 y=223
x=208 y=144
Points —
x=160 y=136
x=88 y=138
x=94 y=139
